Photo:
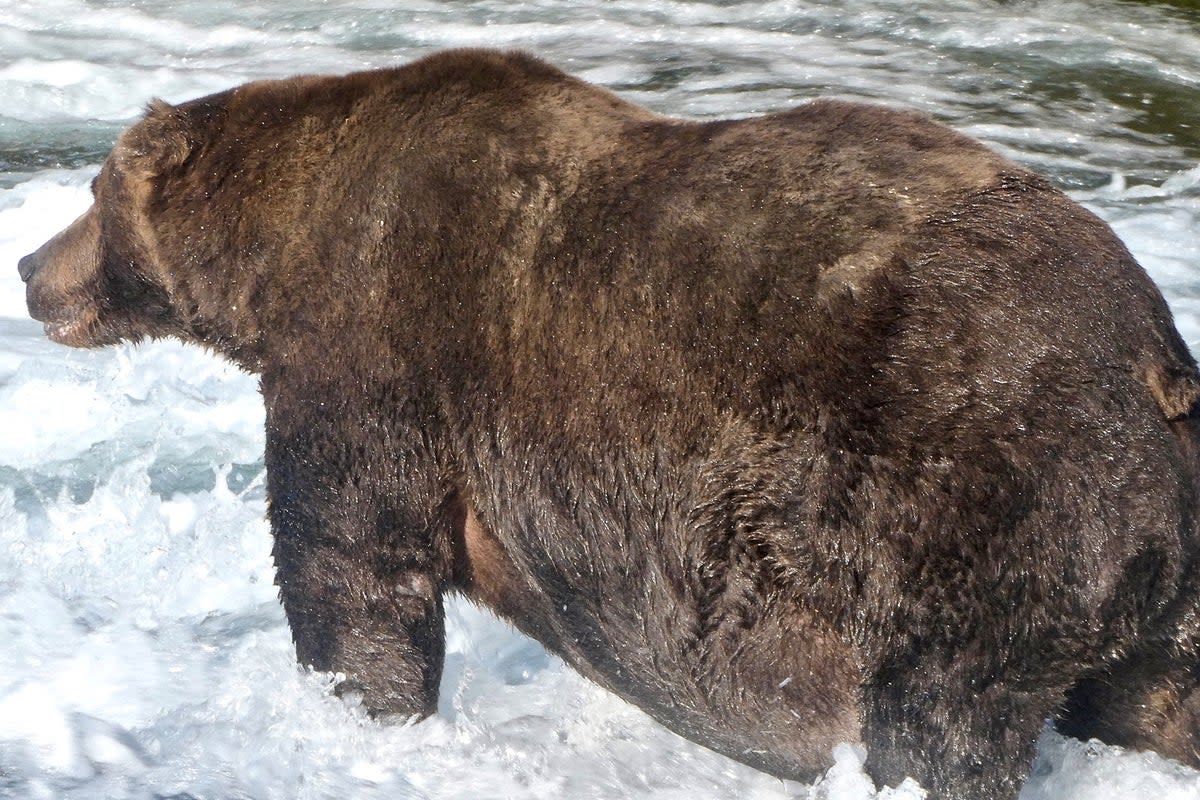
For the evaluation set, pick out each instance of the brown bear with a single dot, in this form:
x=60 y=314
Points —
x=829 y=425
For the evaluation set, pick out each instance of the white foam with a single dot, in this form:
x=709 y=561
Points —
x=1161 y=227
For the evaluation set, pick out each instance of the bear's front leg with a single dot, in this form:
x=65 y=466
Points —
x=361 y=545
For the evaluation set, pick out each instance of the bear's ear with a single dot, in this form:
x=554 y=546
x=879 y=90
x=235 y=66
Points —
x=163 y=141
x=167 y=128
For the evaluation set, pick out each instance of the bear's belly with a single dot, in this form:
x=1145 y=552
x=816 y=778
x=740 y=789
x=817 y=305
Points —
x=490 y=576
x=779 y=696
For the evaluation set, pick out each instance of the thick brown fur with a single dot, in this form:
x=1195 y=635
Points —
x=829 y=425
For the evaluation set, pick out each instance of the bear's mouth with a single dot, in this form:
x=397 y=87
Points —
x=73 y=332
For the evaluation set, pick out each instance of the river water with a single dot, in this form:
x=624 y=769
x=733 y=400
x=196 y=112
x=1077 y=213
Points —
x=142 y=651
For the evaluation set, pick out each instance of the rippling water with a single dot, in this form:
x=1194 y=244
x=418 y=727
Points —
x=143 y=653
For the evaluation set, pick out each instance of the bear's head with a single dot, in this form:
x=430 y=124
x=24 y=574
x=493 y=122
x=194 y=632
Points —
x=105 y=278
x=101 y=280
x=264 y=221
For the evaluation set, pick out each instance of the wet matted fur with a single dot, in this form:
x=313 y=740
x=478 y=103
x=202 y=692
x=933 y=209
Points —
x=829 y=425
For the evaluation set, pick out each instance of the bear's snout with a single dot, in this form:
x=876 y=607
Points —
x=27 y=266
x=44 y=292
x=60 y=279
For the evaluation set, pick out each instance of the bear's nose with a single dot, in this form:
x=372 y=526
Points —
x=27 y=266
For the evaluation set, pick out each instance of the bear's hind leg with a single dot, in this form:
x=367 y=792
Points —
x=1150 y=699
x=1142 y=704
x=960 y=742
